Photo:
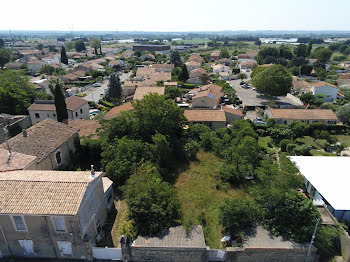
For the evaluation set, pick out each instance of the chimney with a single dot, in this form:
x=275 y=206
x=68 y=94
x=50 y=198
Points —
x=25 y=134
x=92 y=171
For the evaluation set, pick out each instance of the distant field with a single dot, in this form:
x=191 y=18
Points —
x=194 y=41
x=200 y=192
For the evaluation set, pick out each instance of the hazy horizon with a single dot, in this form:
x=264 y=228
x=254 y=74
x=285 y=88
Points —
x=176 y=16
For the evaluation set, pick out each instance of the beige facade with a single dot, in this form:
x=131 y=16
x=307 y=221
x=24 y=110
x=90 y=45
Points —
x=41 y=233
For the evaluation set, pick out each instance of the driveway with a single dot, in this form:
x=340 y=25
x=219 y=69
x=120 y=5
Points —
x=96 y=93
x=251 y=98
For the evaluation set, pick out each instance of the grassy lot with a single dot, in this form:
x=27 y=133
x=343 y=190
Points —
x=264 y=143
x=120 y=221
x=308 y=140
x=320 y=153
x=344 y=139
x=201 y=192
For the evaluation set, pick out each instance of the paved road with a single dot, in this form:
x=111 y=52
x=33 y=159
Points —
x=94 y=93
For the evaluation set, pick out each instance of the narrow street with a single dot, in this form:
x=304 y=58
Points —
x=96 y=93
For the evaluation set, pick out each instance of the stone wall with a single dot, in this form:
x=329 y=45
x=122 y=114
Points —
x=345 y=246
x=269 y=254
x=164 y=254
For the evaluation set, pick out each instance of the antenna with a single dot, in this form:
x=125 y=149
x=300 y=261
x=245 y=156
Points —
x=8 y=145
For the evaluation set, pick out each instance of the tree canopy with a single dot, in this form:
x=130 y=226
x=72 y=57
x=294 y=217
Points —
x=274 y=81
x=343 y=113
x=16 y=94
x=175 y=58
x=60 y=102
x=183 y=76
x=4 y=57
x=79 y=45
x=322 y=54
x=114 y=88
x=95 y=43
x=153 y=204
x=64 y=58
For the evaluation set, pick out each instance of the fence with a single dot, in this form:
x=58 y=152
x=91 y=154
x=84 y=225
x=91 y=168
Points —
x=107 y=253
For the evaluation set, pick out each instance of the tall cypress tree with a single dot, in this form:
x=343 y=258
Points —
x=64 y=58
x=183 y=76
x=115 y=88
x=60 y=102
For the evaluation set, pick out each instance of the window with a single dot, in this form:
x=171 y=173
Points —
x=65 y=248
x=27 y=245
x=37 y=115
x=98 y=226
x=76 y=113
x=285 y=122
x=109 y=197
x=81 y=110
x=19 y=224
x=59 y=223
x=58 y=157
x=54 y=115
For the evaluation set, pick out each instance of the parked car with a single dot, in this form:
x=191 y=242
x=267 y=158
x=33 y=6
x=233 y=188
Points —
x=96 y=85
x=259 y=121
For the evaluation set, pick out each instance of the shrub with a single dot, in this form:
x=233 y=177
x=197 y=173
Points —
x=106 y=103
x=190 y=149
x=290 y=148
x=284 y=143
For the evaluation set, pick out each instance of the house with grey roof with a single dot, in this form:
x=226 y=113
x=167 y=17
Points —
x=52 y=214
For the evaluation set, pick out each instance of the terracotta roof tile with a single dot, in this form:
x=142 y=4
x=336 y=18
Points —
x=15 y=161
x=115 y=111
x=304 y=114
x=43 y=192
x=75 y=102
x=141 y=92
x=86 y=127
x=42 y=139
x=205 y=115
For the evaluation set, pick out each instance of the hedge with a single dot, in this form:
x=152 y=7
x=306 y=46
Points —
x=106 y=103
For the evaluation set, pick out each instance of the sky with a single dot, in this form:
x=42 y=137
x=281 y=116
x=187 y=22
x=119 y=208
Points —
x=174 y=15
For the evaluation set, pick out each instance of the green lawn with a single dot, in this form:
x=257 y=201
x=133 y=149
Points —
x=264 y=143
x=344 y=139
x=308 y=140
x=201 y=192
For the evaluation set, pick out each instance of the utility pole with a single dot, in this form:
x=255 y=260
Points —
x=312 y=240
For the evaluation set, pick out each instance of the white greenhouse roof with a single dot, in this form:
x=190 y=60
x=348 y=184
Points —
x=330 y=175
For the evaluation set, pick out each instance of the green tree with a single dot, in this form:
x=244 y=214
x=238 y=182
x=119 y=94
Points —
x=224 y=53
x=183 y=76
x=242 y=76
x=60 y=102
x=70 y=45
x=64 y=58
x=122 y=157
x=47 y=69
x=322 y=54
x=278 y=207
x=267 y=55
x=15 y=93
x=153 y=204
x=95 y=43
x=257 y=42
x=274 y=81
x=40 y=46
x=172 y=92
x=4 y=57
x=343 y=113
x=301 y=50
x=175 y=58
x=309 y=48
x=2 y=43
x=238 y=214
x=204 y=78
x=79 y=45
x=114 y=87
